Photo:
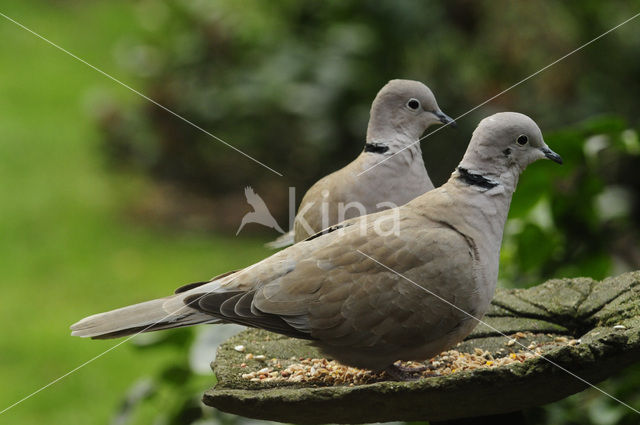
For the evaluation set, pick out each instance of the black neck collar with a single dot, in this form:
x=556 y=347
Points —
x=475 y=179
x=376 y=147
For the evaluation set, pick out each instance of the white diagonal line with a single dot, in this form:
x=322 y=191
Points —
x=506 y=90
x=501 y=333
x=112 y=78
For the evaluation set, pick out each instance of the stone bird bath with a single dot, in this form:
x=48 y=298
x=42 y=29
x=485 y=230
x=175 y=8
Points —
x=603 y=316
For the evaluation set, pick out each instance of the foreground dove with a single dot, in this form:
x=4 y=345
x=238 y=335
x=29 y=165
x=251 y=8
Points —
x=402 y=284
x=400 y=114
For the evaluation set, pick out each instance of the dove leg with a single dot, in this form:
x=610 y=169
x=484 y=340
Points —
x=399 y=372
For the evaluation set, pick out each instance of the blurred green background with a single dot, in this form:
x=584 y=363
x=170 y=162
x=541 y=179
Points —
x=108 y=200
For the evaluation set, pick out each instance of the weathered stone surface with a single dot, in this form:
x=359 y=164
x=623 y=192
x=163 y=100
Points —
x=580 y=308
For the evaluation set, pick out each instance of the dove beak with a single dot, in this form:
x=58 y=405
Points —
x=551 y=155
x=446 y=119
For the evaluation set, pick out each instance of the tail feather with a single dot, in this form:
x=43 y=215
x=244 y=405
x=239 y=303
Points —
x=282 y=241
x=197 y=320
x=144 y=317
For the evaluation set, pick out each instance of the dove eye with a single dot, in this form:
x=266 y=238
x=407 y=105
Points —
x=522 y=140
x=413 y=104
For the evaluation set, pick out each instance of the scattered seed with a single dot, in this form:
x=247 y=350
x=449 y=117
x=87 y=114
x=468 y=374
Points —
x=330 y=372
x=239 y=348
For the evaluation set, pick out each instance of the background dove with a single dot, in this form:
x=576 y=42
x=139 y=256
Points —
x=400 y=114
x=343 y=288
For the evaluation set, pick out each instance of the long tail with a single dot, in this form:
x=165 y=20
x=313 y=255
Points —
x=144 y=317
x=282 y=241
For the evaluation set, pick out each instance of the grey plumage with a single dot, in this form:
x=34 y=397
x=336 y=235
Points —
x=394 y=125
x=363 y=314
x=282 y=241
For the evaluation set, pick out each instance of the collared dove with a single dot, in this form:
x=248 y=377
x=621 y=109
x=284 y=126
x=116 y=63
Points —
x=400 y=113
x=365 y=298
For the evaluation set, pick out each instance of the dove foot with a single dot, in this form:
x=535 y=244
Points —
x=399 y=372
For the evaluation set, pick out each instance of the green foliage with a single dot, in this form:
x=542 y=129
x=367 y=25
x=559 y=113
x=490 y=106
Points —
x=290 y=83
x=581 y=218
x=591 y=407
x=173 y=387
x=172 y=395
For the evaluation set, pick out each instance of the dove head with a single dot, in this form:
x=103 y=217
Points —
x=404 y=109
x=504 y=144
